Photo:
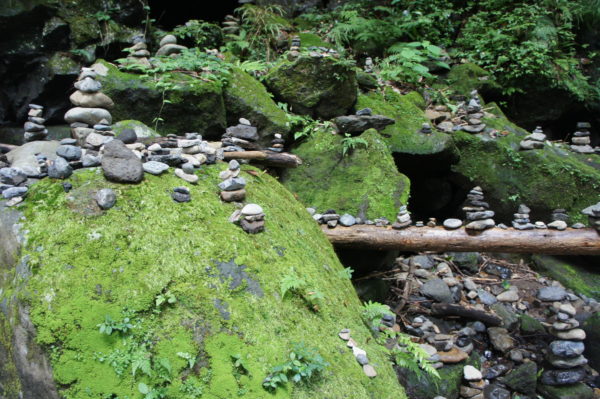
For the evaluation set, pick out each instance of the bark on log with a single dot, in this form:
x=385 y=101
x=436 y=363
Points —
x=551 y=242
x=445 y=309
x=277 y=159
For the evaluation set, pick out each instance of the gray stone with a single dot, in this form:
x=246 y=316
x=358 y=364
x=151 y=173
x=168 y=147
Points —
x=522 y=379
x=120 y=164
x=480 y=215
x=233 y=184
x=558 y=225
x=90 y=161
x=24 y=157
x=486 y=298
x=359 y=123
x=425 y=261
x=551 y=294
x=12 y=176
x=91 y=116
x=470 y=373
x=563 y=377
x=500 y=339
x=69 y=152
x=91 y=100
x=494 y=391
x=362 y=359
x=88 y=85
x=243 y=132
x=13 y=192
x=347 y=220
x=508 y=296
x=127 y=136
x=59 y=169
x=168 y=39
x=452 y=224
x=106 y=198
x=438 y=290
x=481 y=224
x=252 y=210
x=567 y=363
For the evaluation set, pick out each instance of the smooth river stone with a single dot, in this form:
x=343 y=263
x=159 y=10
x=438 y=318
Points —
x=91 y=100
x=91 y=116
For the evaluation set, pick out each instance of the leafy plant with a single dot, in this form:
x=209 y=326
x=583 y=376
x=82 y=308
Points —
x=303 y=363
x=373 y=312
x=408 y=62
x=203 y=34
x=191 y=359
x=409 y=355
x=109 y=325
x=346 y=273
x=151 y=392
x=167 y=298
x=350 y=143
x=293 y=284
x=239 y=364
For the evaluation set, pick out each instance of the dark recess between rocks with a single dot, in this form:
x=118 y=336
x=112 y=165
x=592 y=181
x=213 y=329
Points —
x=168 y=13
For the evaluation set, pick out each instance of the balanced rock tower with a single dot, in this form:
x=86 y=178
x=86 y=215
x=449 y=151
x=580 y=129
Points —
x=34 y=127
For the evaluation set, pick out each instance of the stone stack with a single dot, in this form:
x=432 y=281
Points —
x=252 y=219
x=231 y=25
x=100 y=134
x=296 y=43
x=479 y=217
x=474 y=115
x=232 y=186
x=181 y=194
x=91 y=108
x=593 y=214
x=138 y=53
x=533 y=141
x=521 y=221
x=473 y=384
x=565 y=354
x=425 y=128
x=34 y=127
x=240 y=137
x=168 y=46
x=368 y=65
x=277 y=143
x=580 y=142
x=403 y=219
x=559 y=219
x=359 y=354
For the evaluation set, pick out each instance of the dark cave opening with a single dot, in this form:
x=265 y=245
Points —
x=170 y=13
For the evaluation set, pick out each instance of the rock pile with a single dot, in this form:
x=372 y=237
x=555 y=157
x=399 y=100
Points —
x=593 y=214
x=233 y=186
x=277 y=143
x=138 y=53
x=580 y=142
x=359 y=354
x=425 y=128
x=34 y=127
x=474 y=115
x=90 y=111
x=231 y=25
x=368 y=65
x=13 y=185
x=533 y=141
x=473 y=383
x=479 y=217
x=240 y=137
x=521 y=220
x=181 y=194
x=559 y=219
x=251 y=218
x=168 y=46
x=403 y=219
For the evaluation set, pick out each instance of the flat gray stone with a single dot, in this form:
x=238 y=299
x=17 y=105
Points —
x=106 y=198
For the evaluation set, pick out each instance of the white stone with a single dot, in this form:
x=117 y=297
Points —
x=470 y=373
x=251 y=210
x=188 y=178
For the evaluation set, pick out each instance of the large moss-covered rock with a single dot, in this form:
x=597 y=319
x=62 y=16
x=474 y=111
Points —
x=543 y=179
x=576 y=391
x=246 y=97
x=202 y=297
x=575 y=275
x=465 y=78
x=320 y=87
x=192 y=105
x=365 y=182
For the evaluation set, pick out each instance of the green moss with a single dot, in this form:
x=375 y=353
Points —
x=580 y=279
x=61 y=64
x=320 y=87
x=147 y=245
x=308 y=39
x=246 y=97
x=529 y=325
x=365 y=183
x=465 y=78
x=141 y=130
x=576 y=391
x=191 y=104
x=403 y=137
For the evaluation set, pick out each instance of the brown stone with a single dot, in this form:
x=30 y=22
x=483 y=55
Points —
x=454 y=355
x=467 y=392
x=231 y=196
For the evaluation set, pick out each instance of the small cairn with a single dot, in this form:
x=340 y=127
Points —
x=251 y=218
x=101 y=133
x=521 y=221
x=533 y=141
x=294 y=48
x=425 y=128
x=138 y=53
x=232 y=172
x=368 y=65
x=240 y=137
x=473 y=383
x=479 y=217
x=403 y=219
x=168 y=46
x=560 y=218
x=91 y=109
x=566 y=352
x=580 y=142
x=593 y=214
x=34 y=127
x=181 y=194
x=231 y=25
x=474 y=115
x=277 y=143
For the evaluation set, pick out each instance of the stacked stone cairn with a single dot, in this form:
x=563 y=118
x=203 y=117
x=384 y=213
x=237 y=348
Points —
x=90 y=111
x=277 y=143
x=168 y=46
x=473 y=383
x=559 y=219
x=403 y=219
x=240 y=137
x=181 y=194
x=368 y=65
x=294 y=48
x=474 y=115
x=231 y=25
x=251 y=218
x=580 y=142
x=330 y=217
x=479 y=217
x=359 y=354
x=521 y=220
x=593 y=214
x=533 y=141
x=233 y=186
x=34 y=127
x=425 y=128
x=565 y=354
x=138 y=53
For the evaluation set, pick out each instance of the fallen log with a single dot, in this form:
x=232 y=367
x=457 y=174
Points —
x=269 y=158
x=446 y=310
x=551 y=242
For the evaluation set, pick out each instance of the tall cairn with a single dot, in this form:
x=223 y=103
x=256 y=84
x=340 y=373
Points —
x=34 y=127
x=479 y=217
x=580 y=142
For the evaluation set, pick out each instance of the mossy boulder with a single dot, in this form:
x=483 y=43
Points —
x=467 y=77
x=246 y=97
x=206 y=317
x=576 y=391
x=141 y=130
x=572 y=274
x=320 y=87
x=365 y=182
x=192 y=105
x=544 y=179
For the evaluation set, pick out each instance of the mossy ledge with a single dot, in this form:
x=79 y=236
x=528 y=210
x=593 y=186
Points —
x=84 y=267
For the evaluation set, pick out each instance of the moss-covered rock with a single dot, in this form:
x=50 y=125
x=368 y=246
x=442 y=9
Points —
x=465 y=78
x=543 y=179
x=199 y=293
x=592 y=331
x=246 y=97
x=191 y=105
x=141 y=130
x=579 y=278
x=308 y=39
x=319 y=87
x=576 y=391
x=365 y=182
